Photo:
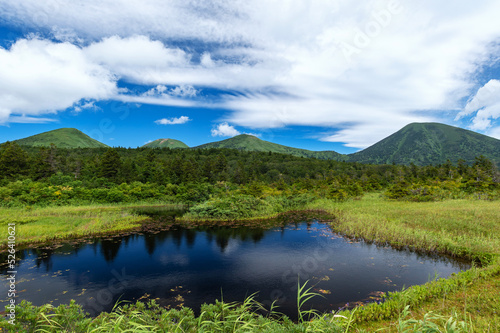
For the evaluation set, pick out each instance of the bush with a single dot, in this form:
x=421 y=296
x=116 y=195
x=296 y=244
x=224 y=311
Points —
x=115 y=195
x=231 y=207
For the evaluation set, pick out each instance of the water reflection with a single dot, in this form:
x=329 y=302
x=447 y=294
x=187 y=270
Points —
x=191 y=266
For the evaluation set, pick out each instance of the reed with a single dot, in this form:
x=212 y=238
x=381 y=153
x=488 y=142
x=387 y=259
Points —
x=465 y=302
x=53 y=224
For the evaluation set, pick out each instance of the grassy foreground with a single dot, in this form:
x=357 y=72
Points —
x=465 y=302
x=461 y=228
x=48 y=224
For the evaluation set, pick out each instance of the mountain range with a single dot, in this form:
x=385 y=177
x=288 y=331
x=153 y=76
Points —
x=61 y=138
x=166 y=143
x=417 y=143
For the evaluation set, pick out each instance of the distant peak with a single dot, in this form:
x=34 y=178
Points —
x=246 y=136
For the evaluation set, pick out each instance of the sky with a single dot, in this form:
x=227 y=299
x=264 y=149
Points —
x=321 y=75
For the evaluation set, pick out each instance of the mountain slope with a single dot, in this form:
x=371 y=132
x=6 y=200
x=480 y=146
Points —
x=252 y=143
x=429 y=143
x=61 y=138
x=165 y=143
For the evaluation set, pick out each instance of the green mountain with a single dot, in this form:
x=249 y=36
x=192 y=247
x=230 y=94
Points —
x=429 y=143
x=61 y=138
x=165 y=143
x=418 y=143
x=252 y=143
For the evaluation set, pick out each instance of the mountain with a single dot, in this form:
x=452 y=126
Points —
x=165 y=143
x=252 y=143
x=418 y=143
x=61 y=138
x=429 y=143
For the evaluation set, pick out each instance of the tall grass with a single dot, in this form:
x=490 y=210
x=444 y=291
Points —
x=249 y=316
x=40 y=225
x=461 y=228
x=218 y=317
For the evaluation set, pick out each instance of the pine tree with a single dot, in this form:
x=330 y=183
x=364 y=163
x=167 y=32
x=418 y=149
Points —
x=110 y=164
x=13 y=161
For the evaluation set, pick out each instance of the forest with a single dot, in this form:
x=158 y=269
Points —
x=55 y=194
x=222 y=183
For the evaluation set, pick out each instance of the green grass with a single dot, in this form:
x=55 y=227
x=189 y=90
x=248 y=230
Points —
x=465 y=302
x=462 y=228
x=165 y=143
x=40 y=225
x=61 y=138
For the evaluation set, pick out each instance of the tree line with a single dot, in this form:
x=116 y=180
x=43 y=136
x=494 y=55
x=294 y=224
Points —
x=208 y=170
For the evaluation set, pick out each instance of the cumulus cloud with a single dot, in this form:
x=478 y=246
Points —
x=179 y=91
x=485 y=105
x=173 y=121
x=83 y=105
x=224 y=129
x=494 y=132
x=137 y=59
x=366 y=70
x=39 y=77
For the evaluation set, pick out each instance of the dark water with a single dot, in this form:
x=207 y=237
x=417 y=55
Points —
x=193 y=266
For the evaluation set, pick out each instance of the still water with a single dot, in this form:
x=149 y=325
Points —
x=193 y=266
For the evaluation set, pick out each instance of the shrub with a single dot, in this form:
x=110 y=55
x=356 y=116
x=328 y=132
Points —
x=231 y=207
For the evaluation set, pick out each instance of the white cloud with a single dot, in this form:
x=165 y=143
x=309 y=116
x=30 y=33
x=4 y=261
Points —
x=368 y=68
x=179 y=91
x=29 y=120
x=494 y=132
x=163 y=100
x=137 y=59
x=485 y=105
x=83 y=105
x=224 y=129
x=184 y=91
x=40 y=77
x=173 y=121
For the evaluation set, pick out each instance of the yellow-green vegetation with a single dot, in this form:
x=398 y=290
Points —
x=465 y=302
x=39 y=225
x=62 y=138
x=462 y=228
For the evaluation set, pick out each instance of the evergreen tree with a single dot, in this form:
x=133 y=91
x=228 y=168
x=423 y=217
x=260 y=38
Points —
x=13 y=161
x=110 y=164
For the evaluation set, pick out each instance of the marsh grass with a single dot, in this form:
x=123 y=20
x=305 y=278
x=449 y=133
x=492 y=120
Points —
x=304 y=295
x=248 y=316
x=49 y=224
x=468 y=229
x=465 y=302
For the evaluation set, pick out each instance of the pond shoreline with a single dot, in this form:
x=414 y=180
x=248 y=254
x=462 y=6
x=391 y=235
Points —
x=462 y=228
x=147 y=223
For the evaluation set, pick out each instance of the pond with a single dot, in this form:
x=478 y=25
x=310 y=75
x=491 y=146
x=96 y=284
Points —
x=192 y=266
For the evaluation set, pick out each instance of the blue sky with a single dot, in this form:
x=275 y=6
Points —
x=324 y=75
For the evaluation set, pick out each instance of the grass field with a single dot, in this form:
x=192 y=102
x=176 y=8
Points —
x=465 y=302
x=462 y=228
x=39 y=225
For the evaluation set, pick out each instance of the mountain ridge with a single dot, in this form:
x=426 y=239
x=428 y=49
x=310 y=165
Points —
x=252 y=143
x=429 y=143
x=417 y=143
x=61 y=138
x=165 y=143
